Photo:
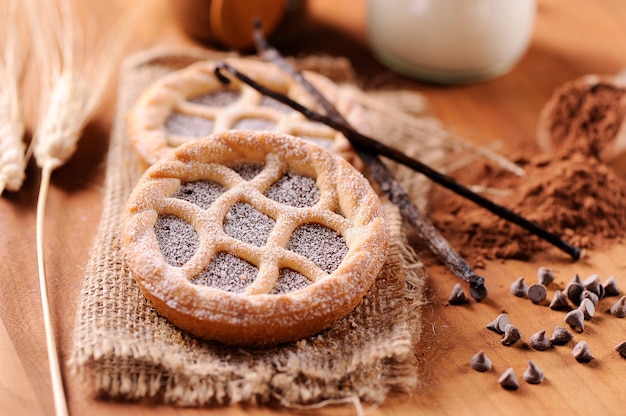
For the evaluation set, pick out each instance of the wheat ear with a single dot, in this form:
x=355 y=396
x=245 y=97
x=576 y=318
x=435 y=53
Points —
x=72 y=78
x=12 y=147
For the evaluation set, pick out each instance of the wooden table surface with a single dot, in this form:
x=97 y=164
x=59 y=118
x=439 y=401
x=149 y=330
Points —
x=571 y=39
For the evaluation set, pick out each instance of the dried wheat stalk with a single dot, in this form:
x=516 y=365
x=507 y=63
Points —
x=12 y=147
x=72 y=76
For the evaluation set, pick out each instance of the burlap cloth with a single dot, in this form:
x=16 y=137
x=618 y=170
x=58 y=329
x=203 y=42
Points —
x=125 y=350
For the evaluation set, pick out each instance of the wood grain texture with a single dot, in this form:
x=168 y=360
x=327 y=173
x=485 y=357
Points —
x=570 y=40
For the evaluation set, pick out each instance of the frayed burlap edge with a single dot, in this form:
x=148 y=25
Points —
x=124 y=350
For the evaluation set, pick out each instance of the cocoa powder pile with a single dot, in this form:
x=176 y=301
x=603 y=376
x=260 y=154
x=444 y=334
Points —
x=569 y=192
x=586 y=114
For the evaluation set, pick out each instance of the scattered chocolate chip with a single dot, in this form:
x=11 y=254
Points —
x=457 y=297
x=540 y=341
x=533 y=374
x=601 y=292
x=561 y=336
x=545 y=276
x=511 y=335
x=576 y=320
x=592 y=284
x=480 y=362
x=581 y=352
x=588 y=309
x=508 y=380
x=621 y=348
x=588 y=294
x=574 y=292
x=576 y=279
x=619 y=308
x=537 y=293
x=519 y=287
x=559 y=301
x=610 y=287
x=498 y=324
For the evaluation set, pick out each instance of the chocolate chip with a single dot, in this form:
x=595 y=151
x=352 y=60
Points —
x=576 y=279
x=588 y=309
x=533 y=374
x=519 y=287
x=540 y=341
x=537 y=293
x=508 y=380
x=592 y=284
x=588 y=294
x=621 y=348
x=498 y=324
x=581 y=352
x=457 y=296
x=561 y=336
x=511 y=335
x=480 y=362
x=610 y=287
x=574 y=292
x=619 y=308
x=545 y=276
x=559 y=301
x=576 y=320
x=601 y=292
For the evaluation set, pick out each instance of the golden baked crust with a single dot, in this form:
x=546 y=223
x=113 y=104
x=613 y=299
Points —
x=346 y=205
x=192 y=94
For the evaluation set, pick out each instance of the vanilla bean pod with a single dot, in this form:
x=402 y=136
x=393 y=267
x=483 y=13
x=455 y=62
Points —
x=375 y=147
x=408 y=210
x=427 y=231
x=383 y=176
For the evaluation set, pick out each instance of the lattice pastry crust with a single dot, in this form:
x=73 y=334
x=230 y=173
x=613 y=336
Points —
x=192 y=103
x=270 y=175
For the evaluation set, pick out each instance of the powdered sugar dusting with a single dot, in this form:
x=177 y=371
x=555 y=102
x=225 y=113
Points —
x=246 y=223
x=187 y=125
x=227 y=272
x=272 y=103
x=219 y=98
x=177 y=239
x=319 y=141
x=255 y=124
x=294 y=190
x=201 y=193
x=320 y=244
x=248 y=171
x=289 y=281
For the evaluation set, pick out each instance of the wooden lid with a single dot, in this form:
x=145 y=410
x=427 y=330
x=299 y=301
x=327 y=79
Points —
x=231 y=20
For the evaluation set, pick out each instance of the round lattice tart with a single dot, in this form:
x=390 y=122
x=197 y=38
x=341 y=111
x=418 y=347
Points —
x=192 y=103
x=254 y=238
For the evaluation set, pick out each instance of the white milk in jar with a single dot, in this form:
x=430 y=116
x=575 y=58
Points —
x=450 y=41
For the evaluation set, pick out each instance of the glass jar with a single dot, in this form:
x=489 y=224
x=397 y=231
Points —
x=450 y=41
